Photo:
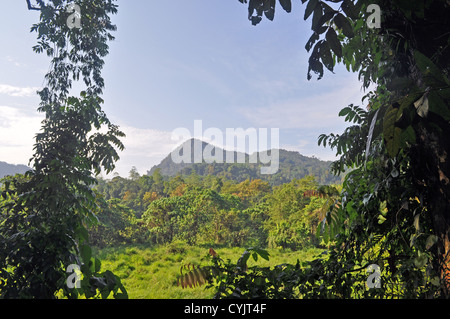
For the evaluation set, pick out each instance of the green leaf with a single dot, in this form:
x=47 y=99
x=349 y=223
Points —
x=409 y=135
x=318 y=25
x=391 y=133
x=286 y=5
x=349 y=9
x=431 y=240
x=269 y=9
x=96 y=265
x=316 y=17
x=345 y=111
x=432 y=74
x=86 y=253
x=310 y=8
x=326 y=56
x=334 y=42
x=436 y=281
x=421 y=260
x=342 y=23
x=314 y=37
x=398 y=83
x=437 y=104
x=263 y=253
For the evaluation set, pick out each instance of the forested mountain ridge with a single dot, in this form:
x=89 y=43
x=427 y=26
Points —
x=292 y=165
x=11 y=169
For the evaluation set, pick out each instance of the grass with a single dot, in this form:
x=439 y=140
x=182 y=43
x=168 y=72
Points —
x=151 y=272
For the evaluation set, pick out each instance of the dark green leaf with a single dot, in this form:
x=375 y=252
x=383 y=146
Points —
x=86 y=253
x=398 y=83
x=326 y=56
x=269 y=9
x=433 y=75
x=391 y=132
x=431 y=240
x=342 y=23
x=310 y=8
x=349 y=9
x=438 y=105
x=334 y=42
x=346 y=110
x=316 y=17
x=286 y=5
x=314 y=37
x=316 y=26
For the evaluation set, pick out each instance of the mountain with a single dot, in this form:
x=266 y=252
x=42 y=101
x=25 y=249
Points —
x=11 y=169
x=241 y=166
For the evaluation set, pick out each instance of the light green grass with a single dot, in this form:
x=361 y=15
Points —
x=151 y=272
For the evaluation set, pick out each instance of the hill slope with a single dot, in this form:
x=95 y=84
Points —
x=11 y=169
x=291 y=165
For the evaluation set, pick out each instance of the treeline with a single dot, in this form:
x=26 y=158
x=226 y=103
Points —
x=292 y=165
x=209 y=210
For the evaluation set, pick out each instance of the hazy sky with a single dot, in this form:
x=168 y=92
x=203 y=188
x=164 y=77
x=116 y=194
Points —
x=177 y=61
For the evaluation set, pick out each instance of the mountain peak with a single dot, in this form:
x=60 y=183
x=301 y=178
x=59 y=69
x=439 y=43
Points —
x=198 y=156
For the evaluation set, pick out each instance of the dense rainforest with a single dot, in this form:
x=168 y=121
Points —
x=389 y=219
x=209 y=211
x=290 y=165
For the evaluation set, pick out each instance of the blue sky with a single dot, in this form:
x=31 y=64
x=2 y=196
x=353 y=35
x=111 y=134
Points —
x=177 y=61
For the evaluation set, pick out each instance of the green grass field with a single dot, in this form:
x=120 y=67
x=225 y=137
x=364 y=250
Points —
x=151 y=272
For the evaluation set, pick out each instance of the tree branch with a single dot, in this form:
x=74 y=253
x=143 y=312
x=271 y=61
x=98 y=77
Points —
x=30 y=7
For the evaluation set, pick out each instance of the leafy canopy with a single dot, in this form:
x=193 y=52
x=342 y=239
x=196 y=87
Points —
x=46 y=215
x=393 y=208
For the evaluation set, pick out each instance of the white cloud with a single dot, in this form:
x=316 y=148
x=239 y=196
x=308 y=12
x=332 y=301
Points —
x=17 y=132
x=16 y=91
x=144 y=148
x=312 y=112
x=15 y=62
x=311 y=149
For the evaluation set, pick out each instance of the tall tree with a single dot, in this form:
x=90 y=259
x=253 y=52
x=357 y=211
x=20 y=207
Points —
x=45 y=229
x=395 y=203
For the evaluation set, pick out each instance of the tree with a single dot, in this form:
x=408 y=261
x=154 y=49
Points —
x=45 y=228
x=395 y=201
x=117 y=225
x=288 y=224
x=134 y=174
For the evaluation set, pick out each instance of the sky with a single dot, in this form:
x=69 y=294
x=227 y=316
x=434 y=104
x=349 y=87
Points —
x=176 y=62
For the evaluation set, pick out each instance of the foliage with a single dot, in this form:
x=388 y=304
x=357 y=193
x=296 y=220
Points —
x=239 y=281
x=393 y=206
x=210 y=211
x=291 y=165
x=287 y=227
x=46 y=215
x=11 y=170
x=152 y=272
x=117 y=225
